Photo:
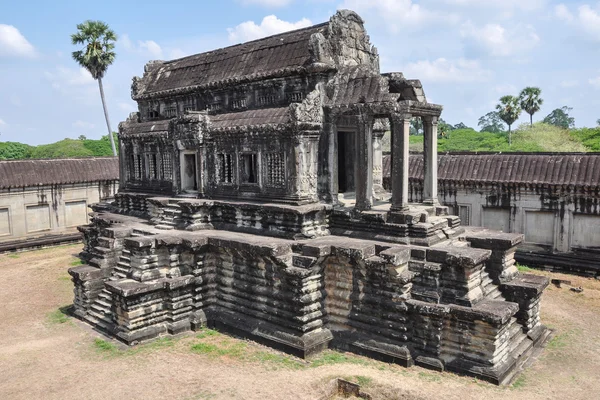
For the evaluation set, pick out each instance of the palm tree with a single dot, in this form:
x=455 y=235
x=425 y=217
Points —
x=96 y=56
x=531 y=101
x=509 y=111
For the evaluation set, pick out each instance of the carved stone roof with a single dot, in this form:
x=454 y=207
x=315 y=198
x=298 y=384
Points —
x=581 y=170
x=249 y=118
x=358 y=84
x=25 y=173
x=148 y=128
x=261 y=57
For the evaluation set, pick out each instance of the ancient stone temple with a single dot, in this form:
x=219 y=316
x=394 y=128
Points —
x=251 y=200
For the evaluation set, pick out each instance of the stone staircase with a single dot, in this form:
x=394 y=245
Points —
x=491 y=291
x=123 y=265
x=100 y=314
x=171 y=216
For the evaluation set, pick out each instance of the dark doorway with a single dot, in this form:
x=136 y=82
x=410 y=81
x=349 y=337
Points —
x=189 y=179
x=345 y=162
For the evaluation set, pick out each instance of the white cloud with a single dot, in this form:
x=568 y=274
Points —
x=595 y=82
x=562 y=12
x=68 y=76
x=587 y=19
x=125 y=42
x=527 y=5
x=82 y=125
x=177 y=53
x=2 y=123
x=151 y=47
x=569 y=84
x=446 y=71
x=497 y=41
x=13 y=43
x=396 y=13
x=590 y=20
x=267 y=3
x=270 y=25
x=148 y=48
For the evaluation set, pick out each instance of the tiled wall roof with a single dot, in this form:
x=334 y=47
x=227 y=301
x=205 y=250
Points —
x=24 y=173
x=570 y=169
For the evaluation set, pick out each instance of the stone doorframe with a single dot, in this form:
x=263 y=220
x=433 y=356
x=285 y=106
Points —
x=182 y=173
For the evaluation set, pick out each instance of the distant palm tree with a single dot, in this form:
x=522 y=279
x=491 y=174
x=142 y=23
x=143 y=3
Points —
x=531 y=101
x=509 y=111
x=96 y=56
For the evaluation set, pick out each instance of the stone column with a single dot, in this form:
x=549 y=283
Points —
x=363 y=164
x=330 y=168
x=379 y=129
x=430 y=160
x=124 y=165
x=400 y=127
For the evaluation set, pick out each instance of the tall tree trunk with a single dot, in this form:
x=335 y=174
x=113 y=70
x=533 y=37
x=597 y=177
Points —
x=509 y=137
x=530 y=119
x=110 y=135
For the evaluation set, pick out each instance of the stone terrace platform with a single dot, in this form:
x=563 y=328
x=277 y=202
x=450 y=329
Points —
x=459 y=305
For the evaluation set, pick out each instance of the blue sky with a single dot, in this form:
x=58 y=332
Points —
x=467 y=53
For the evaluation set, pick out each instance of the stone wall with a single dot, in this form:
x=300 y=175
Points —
x=49 y=210
x=560 y=232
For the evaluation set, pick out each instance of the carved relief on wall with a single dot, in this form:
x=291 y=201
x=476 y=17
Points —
x=310 y=110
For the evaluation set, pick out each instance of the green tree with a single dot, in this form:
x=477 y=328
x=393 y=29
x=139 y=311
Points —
x=81 y=137
x=530 y=101
x=416 y=126
x=491 y=122
x=444 y=128
x=598 y=122
x=96 y=56
x=14 y=151
x=461 y=125
x=509 y=111
x=560 y=117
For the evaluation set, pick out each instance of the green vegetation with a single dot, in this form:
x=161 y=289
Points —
x=520 y=382
x=58 y=317
x=430 y=377
x=530 y=101
x=589 y=137
x=14 y=150
x=66 y=148
x=77 y=262
x=105 y=347
x=560 y=117
x=523 y=268
x=509 y=110
x=545 y=137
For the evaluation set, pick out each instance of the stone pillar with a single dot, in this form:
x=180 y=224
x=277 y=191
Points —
x=330 y=169
x=363 y=164
x=379 y=129
x=124 y=173
x=400 y=127
x=430 y=160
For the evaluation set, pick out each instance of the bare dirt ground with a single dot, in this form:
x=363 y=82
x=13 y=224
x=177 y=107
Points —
x=47 y=355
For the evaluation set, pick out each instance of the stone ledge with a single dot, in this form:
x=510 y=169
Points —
x=493 y=240
x=496 y=312
x=526 y=285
